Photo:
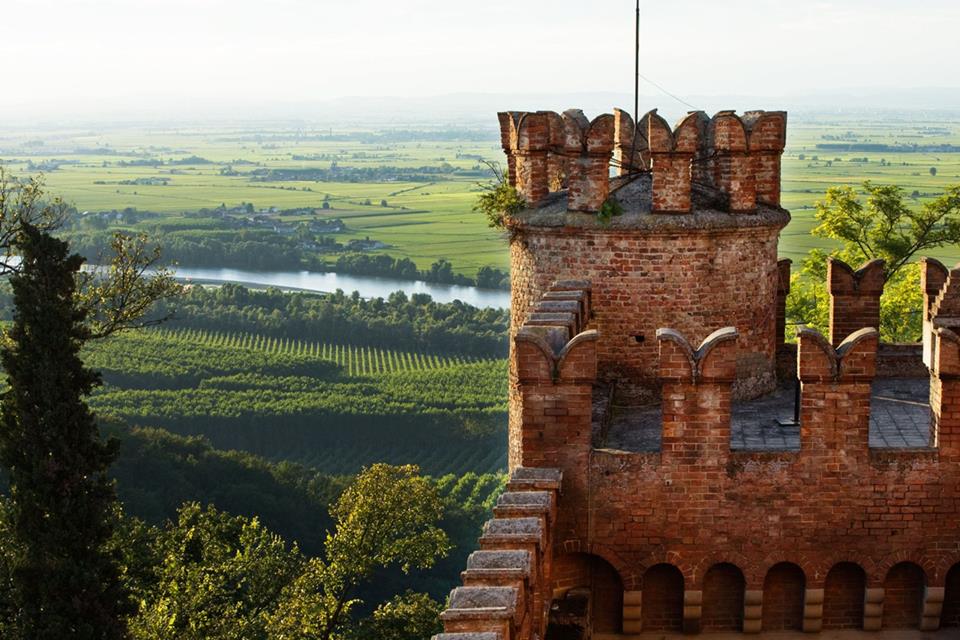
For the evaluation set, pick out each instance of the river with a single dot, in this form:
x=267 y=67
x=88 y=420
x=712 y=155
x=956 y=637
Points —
x=368 y=286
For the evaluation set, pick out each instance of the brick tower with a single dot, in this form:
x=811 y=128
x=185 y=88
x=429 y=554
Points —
x=676 y=466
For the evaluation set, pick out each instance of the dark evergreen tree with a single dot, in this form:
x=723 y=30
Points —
x=66 y=583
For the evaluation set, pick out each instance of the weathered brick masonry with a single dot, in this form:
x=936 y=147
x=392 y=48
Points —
x=676 y=310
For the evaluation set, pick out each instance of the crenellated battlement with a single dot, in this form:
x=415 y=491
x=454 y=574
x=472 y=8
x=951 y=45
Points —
x=712 y=361
x=506 y=584
x=854 y=295
x=553 y=345
x=736 y=157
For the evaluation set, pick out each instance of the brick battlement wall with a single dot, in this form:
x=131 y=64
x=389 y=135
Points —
x=835 y=535
x=697 y=537
x=696 y=504
x=739 y=156
x=645 y=279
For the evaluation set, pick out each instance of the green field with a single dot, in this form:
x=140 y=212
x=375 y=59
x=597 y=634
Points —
x=332 y=407
x=429 y=219
x=805 y=180
x=423 y=220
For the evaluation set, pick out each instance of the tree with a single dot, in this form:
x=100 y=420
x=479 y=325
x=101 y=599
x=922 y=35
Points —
x=22 y=203
x=65 y=581
x=387 y=517
x=66 y=584
x=933 y=171
x=409 y=616
x=8 y=555
x=441 y=271
x=883 y=227
x=216 y=577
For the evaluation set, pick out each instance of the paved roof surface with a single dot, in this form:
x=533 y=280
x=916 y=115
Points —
x=899 y=418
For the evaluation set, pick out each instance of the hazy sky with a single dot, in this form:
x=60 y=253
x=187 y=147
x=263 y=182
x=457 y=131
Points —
x=86 y=56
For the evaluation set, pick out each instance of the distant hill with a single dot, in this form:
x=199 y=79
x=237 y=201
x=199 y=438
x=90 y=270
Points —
x=476 y=109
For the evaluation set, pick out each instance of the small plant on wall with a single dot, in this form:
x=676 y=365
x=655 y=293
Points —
x=499 y=199
x=608 y=210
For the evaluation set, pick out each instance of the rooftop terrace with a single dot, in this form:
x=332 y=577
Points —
x=899 y=419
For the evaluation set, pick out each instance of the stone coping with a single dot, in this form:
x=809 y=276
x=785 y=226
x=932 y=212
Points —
x=520 y=529
x=481 y=602
x=545 y=474
x=525 y=499
x=528 y=479
x=499 y=560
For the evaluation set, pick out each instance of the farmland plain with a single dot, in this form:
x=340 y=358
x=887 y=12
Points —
x=427 y=215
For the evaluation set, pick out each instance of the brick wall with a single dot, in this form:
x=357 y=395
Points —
x=854 y=297
x=843 y=597
x=723 y=590
x=903 y=596
x=695 y=280
x=783 y=591
x=662 y=599
x=695 y=503
x=583 y=570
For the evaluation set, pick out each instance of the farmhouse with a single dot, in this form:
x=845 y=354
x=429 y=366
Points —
x=677 y=465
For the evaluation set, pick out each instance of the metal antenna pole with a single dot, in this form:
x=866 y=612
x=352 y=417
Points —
x=636 y=94
x=636 y=75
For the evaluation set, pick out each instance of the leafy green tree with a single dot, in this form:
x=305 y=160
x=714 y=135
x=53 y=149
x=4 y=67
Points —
x=387 y=517
x=66 y=584
x=885 y=227
x=8 y=555
x=882 y=227
x=65 y=581
x=408 y=616
x=441 y=271
x=23 y=203
x=217 y=578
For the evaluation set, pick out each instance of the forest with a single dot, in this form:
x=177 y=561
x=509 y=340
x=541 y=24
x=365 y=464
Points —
x=249 y=529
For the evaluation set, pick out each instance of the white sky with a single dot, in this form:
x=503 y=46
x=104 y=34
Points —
x=74 y=56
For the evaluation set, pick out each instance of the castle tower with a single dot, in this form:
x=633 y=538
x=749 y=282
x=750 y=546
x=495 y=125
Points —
x=695 y=247
x=655 y=487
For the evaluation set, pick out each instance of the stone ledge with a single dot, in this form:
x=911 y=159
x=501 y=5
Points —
x=481 y=602
x=499 y=560
x=535 y=478
x=512 y=529
x=541 y=499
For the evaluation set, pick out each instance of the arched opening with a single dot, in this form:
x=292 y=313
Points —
x=723 y=589
x=589 y=600
x=783 y=594
x=951 y=599
x=662 y=608
x=843 y=596
x=903 y=596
